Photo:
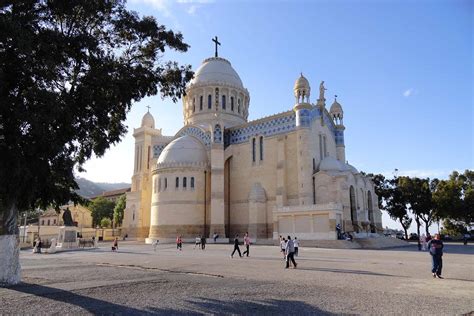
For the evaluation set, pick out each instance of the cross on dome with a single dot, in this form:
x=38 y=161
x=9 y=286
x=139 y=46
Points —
x=148 y=108
x=215 y=40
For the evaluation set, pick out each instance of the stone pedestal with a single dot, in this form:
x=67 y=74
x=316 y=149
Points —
x=67 y=237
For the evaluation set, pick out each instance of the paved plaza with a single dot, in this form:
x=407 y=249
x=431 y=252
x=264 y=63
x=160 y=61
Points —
x=137 y=280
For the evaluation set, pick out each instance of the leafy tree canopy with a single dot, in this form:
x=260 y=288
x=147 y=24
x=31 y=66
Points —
x=101 y=207
x=119 y=209
x=69 y=73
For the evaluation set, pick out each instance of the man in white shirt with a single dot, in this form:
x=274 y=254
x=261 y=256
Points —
x=296 y=244
x=290 y=253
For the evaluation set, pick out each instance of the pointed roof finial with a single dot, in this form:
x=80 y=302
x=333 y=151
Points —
x=335 y=98
x=148 y=108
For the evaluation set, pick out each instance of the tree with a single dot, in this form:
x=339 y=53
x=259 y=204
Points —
x=119 y=210
x=69 y=73
x=382 y=188
x=105 y=222
x=397 y=206
x=454 y=198
x=101 y=208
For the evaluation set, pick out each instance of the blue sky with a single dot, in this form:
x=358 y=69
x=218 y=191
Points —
x=402 y=70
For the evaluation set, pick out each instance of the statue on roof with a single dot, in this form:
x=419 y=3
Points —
x=321 y=91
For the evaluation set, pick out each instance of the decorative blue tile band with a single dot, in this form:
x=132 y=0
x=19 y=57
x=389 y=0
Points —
x=217 y=134
x=205 y=137
x=339 y=135
x=157 y=149
x=279 y=125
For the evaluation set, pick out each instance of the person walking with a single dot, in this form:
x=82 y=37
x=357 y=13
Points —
x=215 y=236
x=436 y=251
x=296 y=244
x=179 y=243
x=155 y=244
x=203 y=242
x=283 y=247
x=115 y=244
x=236 y=247
x=423 y=242
x=246 y=244
x=290 y=253
x=197 y=243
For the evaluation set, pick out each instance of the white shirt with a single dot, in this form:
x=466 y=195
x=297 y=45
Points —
x=295 y=242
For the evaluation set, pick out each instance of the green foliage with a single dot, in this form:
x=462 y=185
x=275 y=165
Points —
x=453 y=228
x=418 y=194
x=119 y=210
x=105 y=222
x=101 y=208
x=396 y=204
x=454 y=198
x=70 y=71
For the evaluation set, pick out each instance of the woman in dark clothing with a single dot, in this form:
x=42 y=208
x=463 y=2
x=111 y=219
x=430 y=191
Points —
x=236 y=247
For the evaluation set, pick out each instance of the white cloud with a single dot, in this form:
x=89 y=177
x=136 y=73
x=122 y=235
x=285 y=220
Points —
x=408 y=92
x=192 y=9
x=163 y=6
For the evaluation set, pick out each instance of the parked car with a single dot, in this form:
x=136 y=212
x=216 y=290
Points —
x=413 y=236
x=400 y=235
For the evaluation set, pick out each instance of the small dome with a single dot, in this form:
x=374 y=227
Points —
x=351 y=168
x=336 y=108
x=216 y=70
x=185 y=150
x=302 y=83
x=148 y=120
x=331 y=164
x=257 y=193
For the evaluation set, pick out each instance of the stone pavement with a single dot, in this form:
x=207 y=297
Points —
x=138 y=280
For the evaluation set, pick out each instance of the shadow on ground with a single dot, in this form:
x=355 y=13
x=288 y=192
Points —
x=242 y=307
x=89 y=304
x=198 y=306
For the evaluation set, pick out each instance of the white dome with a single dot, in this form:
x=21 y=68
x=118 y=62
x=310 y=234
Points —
x=148 y=120
x=351 y=168
x=331 y=164
x=216 y=70
x=185 y=150
x=301 y=83
x=336 y=108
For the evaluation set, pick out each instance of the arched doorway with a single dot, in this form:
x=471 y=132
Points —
x=353 y=208
x=371 y=212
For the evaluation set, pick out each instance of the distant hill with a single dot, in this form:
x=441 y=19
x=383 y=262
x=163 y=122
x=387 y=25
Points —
x=89 y=188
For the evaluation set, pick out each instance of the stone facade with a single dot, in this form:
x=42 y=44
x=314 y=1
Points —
x=284 y=174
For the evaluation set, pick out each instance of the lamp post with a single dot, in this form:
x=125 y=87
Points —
x=24 y=227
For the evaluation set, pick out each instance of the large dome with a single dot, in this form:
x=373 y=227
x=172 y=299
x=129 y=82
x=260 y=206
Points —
x=331 y=164
x=218 y=71
x=185 y=150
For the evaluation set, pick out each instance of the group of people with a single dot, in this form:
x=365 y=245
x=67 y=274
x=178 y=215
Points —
x=200 y=242
x=37 y=244
x=246 y=244
x=289 y=249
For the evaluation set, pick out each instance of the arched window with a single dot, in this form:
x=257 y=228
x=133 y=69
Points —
x=238 y=106
x=253 y=149
x=54 y=222
x=352 y=198
x=209 y=101
x=261 y=147
x=159 y=185
x=185 y=182
x=194 y=105
x=166 y=183
x=48 y=222
x=314 y=165
x=320 y=147
x=192 y=182
x=371 y=212
x=362 y=199
x=325 y=151
x=314 y=190
x=200 y=103
x=232 y=104
x=177 y=182
x=223 y=102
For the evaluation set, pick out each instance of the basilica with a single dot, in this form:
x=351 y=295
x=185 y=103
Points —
x=285 y=174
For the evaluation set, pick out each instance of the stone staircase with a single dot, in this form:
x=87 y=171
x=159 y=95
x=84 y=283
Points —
x=381 y=242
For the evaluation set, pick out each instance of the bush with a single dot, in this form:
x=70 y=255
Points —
x=105 y=222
